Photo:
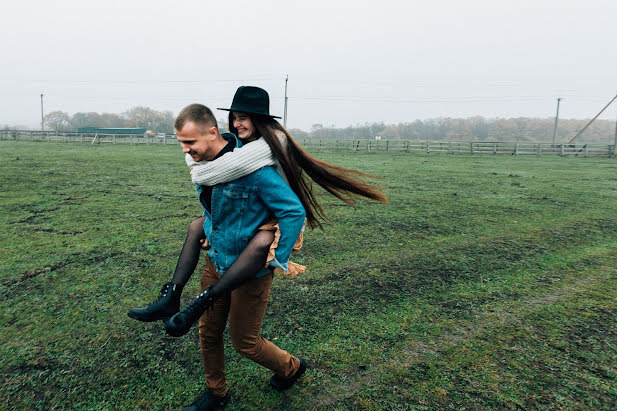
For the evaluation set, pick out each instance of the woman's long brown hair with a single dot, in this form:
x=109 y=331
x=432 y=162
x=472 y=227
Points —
x=343 y=183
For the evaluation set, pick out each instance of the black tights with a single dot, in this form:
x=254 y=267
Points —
x=246 y=266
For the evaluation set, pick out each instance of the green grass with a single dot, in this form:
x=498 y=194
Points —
x=487 y=282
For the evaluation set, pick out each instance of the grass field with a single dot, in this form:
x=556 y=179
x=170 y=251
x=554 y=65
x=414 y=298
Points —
x=487 y=282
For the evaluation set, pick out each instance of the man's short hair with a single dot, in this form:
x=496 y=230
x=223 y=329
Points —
x=197 y=113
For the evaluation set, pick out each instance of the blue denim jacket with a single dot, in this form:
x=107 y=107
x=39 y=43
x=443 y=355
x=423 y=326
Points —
x=241 y=206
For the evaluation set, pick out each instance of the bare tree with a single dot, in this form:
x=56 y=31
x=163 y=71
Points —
x=58 y=121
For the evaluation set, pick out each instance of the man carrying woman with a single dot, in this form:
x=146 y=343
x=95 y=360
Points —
x=265 y=178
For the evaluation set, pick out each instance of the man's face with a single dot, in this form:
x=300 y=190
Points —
x=196 y=140
x=244 y=125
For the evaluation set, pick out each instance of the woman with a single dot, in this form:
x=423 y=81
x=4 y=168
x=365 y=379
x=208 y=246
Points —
x=229 y=165
x=269 y=143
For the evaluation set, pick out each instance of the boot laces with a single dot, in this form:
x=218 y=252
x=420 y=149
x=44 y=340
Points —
x=164 y=291
x=203 y=299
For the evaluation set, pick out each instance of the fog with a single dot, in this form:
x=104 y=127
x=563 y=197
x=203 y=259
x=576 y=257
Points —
x=348 y=62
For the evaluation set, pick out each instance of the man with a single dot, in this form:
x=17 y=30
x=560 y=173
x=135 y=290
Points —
x=233 y=213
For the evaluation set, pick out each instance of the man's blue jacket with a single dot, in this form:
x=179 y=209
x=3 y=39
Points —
x=241 y=206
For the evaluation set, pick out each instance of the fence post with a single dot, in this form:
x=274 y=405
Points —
x=516 y=149
x=387 y=145
x=368 y=146
x=563 y=151
x=165 y=139
x=428 y=147
x=471 y=148
x=539 y=149
x=585 y=147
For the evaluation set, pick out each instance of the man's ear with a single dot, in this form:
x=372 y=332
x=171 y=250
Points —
x=213 y=133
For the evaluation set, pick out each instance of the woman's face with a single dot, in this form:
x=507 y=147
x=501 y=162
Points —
x=244 y=125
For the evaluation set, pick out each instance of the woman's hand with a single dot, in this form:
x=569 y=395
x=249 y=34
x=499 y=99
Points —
x=204 y=243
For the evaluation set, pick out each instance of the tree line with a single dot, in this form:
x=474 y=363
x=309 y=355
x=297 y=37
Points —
x=470 y=129
x=475 y=128
x=137 y=117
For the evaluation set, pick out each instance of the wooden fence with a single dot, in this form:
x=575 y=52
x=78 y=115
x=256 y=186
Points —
x=405 y=146
x=92 y=138
x=469 y=147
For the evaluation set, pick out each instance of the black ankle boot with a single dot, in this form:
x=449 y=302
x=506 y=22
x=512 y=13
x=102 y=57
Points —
x=164 y=307
x=208 y=401
x=182 y=322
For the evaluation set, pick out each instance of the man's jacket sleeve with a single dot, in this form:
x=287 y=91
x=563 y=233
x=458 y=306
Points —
x=286 y=207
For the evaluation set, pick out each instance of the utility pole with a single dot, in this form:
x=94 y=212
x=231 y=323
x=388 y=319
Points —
x=556 y=120
x=615 y=143
x=285 y=109
x=42 y=128
x=592 y=120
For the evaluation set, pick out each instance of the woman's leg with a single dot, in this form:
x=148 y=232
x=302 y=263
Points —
x=244 y=268
x=250 y=262
x=168 y=302
x=189 y=256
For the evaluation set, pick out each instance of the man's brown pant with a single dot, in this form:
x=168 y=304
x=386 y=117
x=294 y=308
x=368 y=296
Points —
x=245 y=306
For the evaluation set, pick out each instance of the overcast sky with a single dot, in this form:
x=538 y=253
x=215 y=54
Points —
x=348 y=62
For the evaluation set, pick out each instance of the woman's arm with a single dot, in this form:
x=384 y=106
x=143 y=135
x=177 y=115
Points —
x=285 y=205
x=233 y=165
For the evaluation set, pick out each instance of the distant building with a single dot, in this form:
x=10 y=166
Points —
x=103 y=130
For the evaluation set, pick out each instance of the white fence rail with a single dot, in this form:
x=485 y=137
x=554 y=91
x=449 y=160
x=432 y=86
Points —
x=94 y=138
x=469 y=147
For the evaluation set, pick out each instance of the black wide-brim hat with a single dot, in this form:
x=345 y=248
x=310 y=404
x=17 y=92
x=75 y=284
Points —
x=252 y=100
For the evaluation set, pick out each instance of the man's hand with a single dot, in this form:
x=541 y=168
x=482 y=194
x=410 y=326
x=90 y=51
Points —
x=205 y=244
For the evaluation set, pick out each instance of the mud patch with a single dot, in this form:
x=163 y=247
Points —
x=33 y=273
